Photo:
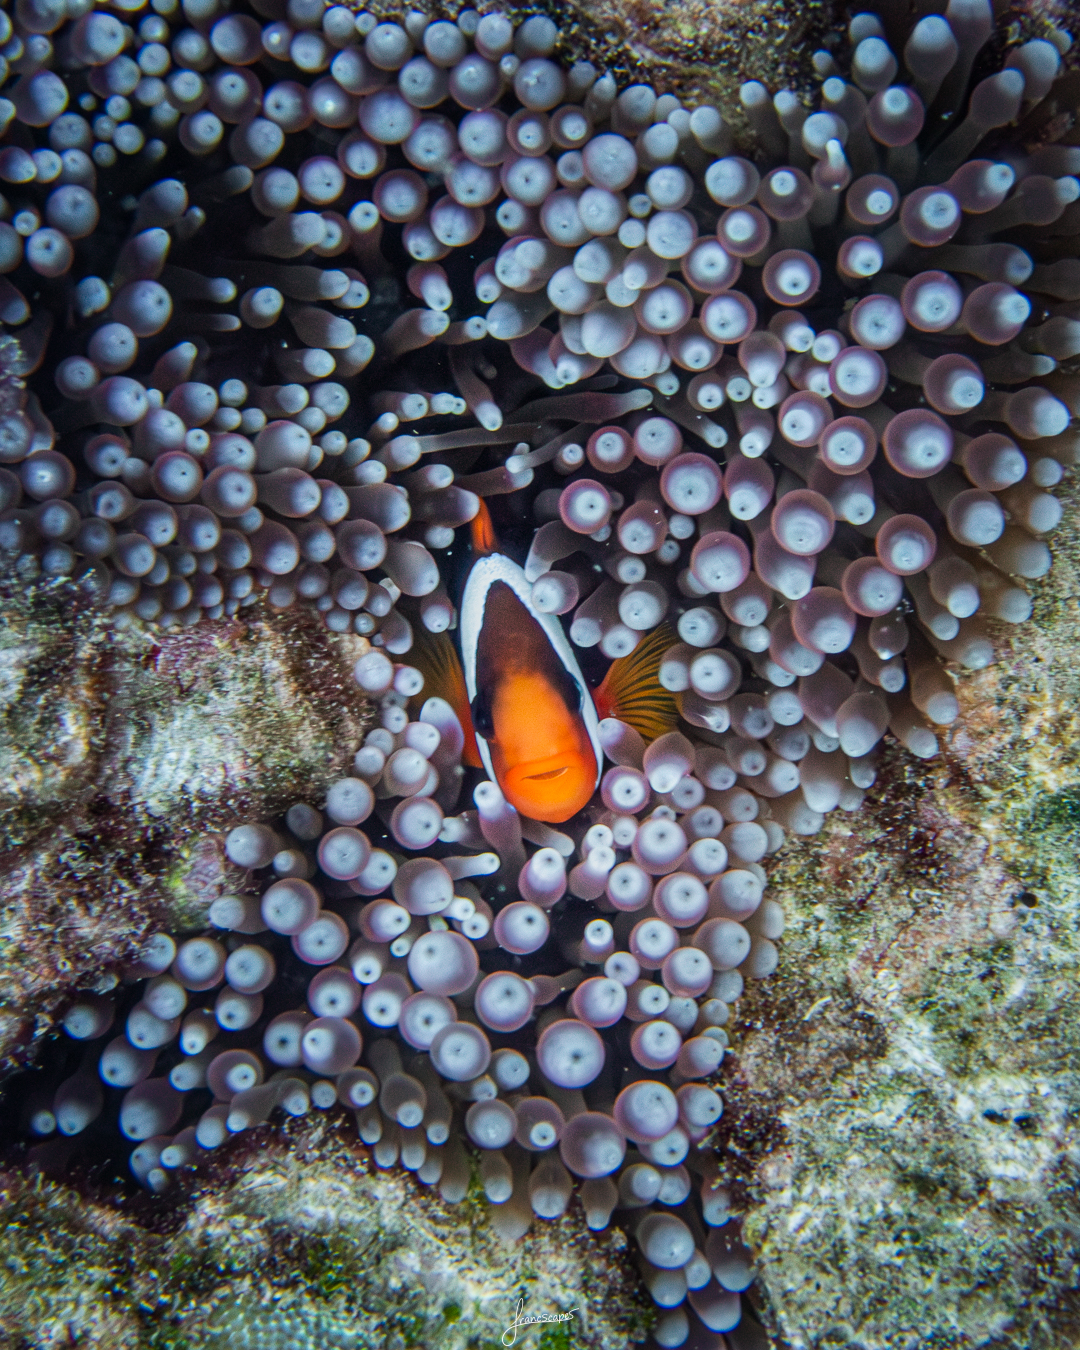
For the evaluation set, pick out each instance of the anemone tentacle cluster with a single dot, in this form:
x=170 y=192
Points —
x=880 y=388
x=821 y=385
x=559 y=1043
x=581 y=1023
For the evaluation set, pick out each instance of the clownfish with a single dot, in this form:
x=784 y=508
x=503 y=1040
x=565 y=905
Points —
x=528 y=715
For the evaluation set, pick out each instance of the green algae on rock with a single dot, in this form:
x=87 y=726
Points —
x=290 y=1238
x=120 y=755
x=905 y=1102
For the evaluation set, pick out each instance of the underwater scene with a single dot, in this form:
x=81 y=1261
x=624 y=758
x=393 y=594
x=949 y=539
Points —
x=539 y=697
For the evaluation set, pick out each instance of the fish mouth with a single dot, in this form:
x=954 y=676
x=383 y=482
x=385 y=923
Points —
x=551 y=789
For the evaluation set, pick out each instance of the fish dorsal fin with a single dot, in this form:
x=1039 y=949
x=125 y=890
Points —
x=632 y=692
x=435 y=657
x=483 y=532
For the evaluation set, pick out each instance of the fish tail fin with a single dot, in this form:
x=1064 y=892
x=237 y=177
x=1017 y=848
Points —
x=483 y=531
x=435 y=657
x=632 y=692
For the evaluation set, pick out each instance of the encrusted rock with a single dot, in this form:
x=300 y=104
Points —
x=119 y=752
x=904 y=1106
x=292 y=1239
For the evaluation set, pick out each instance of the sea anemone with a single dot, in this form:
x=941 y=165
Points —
x=571 y=1050
x=818 y=384
x=406 y=148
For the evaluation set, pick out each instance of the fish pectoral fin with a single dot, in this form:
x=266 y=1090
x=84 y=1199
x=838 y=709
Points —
x=435 y=656
x=632 y=692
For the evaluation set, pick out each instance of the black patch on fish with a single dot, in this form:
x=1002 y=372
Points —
x=509 y=636
x=571 y=691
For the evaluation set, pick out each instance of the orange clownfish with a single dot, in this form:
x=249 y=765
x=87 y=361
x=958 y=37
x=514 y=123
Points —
x=535 y=722
x=528 y=716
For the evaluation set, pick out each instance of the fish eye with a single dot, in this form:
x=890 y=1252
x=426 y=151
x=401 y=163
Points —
x=482 y=721
x=572 y=692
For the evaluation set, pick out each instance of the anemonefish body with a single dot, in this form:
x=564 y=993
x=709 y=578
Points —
x=528 y=716
x=535 y=722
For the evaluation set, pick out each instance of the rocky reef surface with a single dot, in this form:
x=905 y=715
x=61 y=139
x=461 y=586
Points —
x=904 y=1096
x=119 y=751
x=293 y=1241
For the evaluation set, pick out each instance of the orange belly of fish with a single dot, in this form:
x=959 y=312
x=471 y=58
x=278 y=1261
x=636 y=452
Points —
x=541 y=753
x=551 y=789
